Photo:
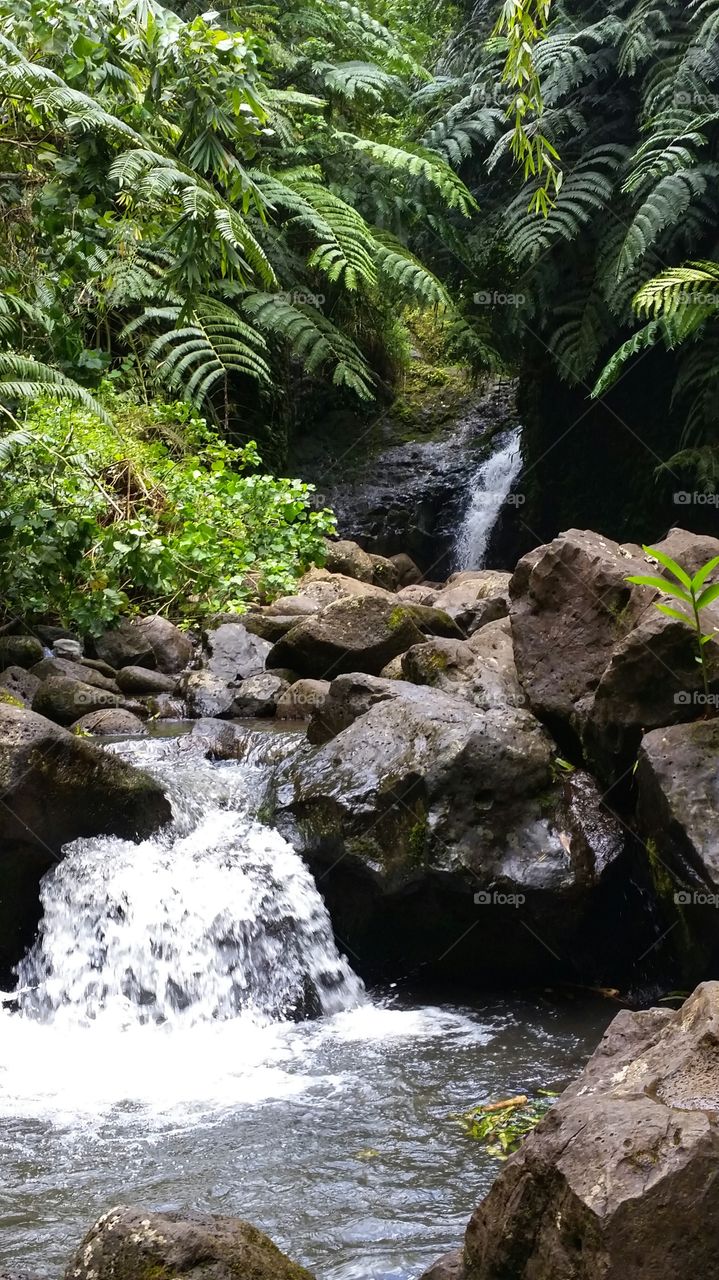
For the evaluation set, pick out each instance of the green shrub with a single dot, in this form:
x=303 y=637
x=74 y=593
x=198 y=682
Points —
x=150 y=510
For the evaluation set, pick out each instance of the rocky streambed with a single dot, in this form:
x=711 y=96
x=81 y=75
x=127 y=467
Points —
x=506 y=780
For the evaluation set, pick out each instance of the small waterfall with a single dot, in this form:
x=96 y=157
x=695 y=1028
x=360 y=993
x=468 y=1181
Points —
x=490 y=488
x=215 y=917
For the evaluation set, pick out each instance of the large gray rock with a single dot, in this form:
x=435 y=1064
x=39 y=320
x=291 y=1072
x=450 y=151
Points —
x=323 y=587
x=65 y=667
x=481 y=670
x=356 y=634
x=259 y=695
x=142 y=680
x=20 y=684
x=64 y=699
x=619 y=1180
x=19 y=651
x=475 y=598
x=234 y=653
x=596 y=659
x=108 y=722
x=420 y=803
x=135 y=1244
x=173 y=649
x=302 y=700
x=55 y=788
x=344 y=556
x=206 y=694
x=125 y=645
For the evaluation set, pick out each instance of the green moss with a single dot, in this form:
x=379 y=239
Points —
x=418 y=841
x=398 y=617
x=9 y=699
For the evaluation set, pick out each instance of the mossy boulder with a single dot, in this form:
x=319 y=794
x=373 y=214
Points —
x=353 y=634
x=131 y=1244
x=19 y=651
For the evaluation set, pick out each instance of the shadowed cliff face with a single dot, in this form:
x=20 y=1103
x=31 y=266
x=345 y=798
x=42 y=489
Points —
x=411 y=496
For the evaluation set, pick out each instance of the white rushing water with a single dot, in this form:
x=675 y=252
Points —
x=216 y=916
x=490 y=489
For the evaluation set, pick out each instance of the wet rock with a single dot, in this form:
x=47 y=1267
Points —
x=220 y=739
x=271 y=626
x=323 y=587
x=421 y=803
x=473 y=599
x=433 y=621
x=136 y=1243
x=234 y=653
x=302 y=700
x=163 y=706
x=598 y=662
x=348 y=558
x=259 y=695
x=450 y=1267
x=109 y=721
x=618 y=1181
x=19 y=651
x=418 y=593
x=678 y=784
x=124 y=646
x=292 y=607
x=173 y=649
x=20 y=684
x=55 y=788
x=347 y=698
x=393 y=670
x=206 y=694
x=407 y=570
x=142 y=680
x=64 y=699
x=74 y=671
x=360 y=634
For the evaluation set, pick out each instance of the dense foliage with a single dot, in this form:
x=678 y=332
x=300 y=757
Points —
x=146 y=509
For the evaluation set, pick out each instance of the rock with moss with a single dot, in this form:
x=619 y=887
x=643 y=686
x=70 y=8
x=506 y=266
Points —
x=303 y=699
x=141 y=680
x=420 y=802
x=135 y=1244
x=618 y=1181
x=70 y=670
x=19 y=651
x=259 y=695
x=322 y=587
x=64 y=699
x=109 y=721
x=173 y=649
x=481 y=670
x=344 y=556
x=353 y=634
x=385 y=572
x=20 y=684
x=57 y=787
x=125 y=645
x=474 y=598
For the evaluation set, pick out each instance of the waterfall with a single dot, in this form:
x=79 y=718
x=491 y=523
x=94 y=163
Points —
x=490 y=489
x=214 y=917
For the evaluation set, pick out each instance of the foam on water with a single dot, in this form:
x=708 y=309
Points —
x=490 y=489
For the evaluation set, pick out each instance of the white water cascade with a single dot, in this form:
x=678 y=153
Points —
x=490 y=489
x=215 y=917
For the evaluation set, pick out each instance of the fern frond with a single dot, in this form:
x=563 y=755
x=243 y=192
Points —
x=312 y=338
x=22 y=378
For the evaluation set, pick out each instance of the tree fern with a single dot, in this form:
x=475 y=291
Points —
x=22 y=378
x=312 y=338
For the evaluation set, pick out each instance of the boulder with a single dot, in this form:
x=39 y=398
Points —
x=292 y=607
x=475 y=598
x=219 y=739
x=206 y=694
x=384 y=573
x=481 y=670
x=407 y=571
x=349 y=559
x=173 y=649
x=420 y=804
x=20 y=684
x=66 y=668
x=55 y=788
x=324 y=587
x=393 y=670
x=433 y=621
x=259 y=695
x=124 y=646
x=270 y=626
x=109 y=721
x=163 y=706
x=143 y=680
x=234 y=653
x=64 y=699
x=19 y=651
x=598 y=662
x=418 y=593
x=67 y=648
x=618 y=1182
x=358 y=634
x=450 y=1267
x=302 y=699
x=136 y=1244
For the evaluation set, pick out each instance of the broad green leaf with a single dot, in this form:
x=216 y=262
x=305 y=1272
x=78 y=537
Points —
x=674 y=613
x=671 y=565
x=661 y=584
x=708 y=596
x=700 y=578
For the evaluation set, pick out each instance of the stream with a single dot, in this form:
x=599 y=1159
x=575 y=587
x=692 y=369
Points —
x=159 y=1051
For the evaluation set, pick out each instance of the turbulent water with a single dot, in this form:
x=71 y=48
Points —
x=158 y=1055
x=490 y=489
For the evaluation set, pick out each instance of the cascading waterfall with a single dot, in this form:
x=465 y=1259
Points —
x=215 y=917
x=490 y=488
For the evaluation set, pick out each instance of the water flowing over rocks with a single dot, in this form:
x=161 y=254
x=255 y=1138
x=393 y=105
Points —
x=133 y=1244
x=618 y=1182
